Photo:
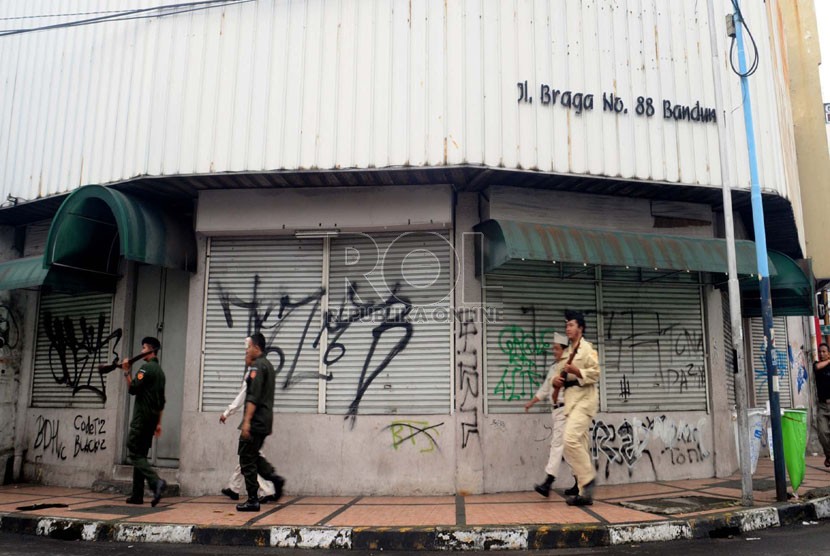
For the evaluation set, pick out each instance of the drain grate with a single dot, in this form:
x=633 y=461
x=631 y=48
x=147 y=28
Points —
x=757 y=484
x=679 y=504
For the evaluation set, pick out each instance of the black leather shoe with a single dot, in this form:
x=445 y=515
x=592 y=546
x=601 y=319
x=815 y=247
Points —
x=266 y=499
x=573 y=491
x=580 y=500
x=161 y=485
x=248 y=506
x=132 y=500
x=543 y=489
x=230 y=494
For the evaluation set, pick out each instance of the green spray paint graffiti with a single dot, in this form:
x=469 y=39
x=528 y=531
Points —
x=528 y=355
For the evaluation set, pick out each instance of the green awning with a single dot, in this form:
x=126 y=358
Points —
x=95 y=225
x=506 y=240
x=31 y=273
x=792 y=290
x=22 y=273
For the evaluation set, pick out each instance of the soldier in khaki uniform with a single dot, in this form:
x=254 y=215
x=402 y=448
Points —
x=148 y=389
x=581 y=405
x=257 y=423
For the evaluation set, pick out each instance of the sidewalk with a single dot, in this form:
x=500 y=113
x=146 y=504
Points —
x=517 y=520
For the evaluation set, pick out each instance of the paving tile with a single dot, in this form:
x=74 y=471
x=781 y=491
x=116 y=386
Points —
x=526 y=513
x=299 y=514
x=339 y=500
x=200 y=514
x=53 y=491
x=64 y=512
x=404 y=500
x=69 y=501
x=395 y=516
x=507 y=497
x=14 y=498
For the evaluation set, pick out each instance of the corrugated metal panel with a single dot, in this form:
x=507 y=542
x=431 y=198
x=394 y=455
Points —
x=73 y=338
x=371 y=332
x=262 y=279
x=532 y=298
x=654 y=347
x=336 y=84
x=759 y=372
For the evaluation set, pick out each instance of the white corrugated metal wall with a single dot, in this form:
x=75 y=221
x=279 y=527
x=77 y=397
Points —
x=330 y=84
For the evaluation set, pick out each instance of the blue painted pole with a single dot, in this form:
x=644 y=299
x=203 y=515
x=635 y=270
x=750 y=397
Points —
x=763 y=276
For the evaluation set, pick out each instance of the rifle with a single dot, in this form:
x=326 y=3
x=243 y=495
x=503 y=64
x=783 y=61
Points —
x=104 y=369
x=564 y=374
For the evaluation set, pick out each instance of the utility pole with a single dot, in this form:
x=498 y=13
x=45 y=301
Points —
x=737 y=346
x=763 y=271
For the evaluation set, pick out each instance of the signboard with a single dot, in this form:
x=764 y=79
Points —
x=827 y=112
x=825 y=329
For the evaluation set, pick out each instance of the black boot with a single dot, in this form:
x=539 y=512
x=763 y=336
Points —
x=230 y=494
x=544 y=488
x=584 y=499
x=279 y=482
x=574 y=490
x=250 y=505
x=161 y=486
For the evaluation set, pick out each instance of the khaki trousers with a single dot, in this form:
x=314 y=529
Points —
x=577 y=448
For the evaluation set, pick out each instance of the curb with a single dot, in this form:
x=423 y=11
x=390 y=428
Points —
x=541 y=537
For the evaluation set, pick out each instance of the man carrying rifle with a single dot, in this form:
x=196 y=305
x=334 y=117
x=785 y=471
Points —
x=148 y=389
x=579 y=378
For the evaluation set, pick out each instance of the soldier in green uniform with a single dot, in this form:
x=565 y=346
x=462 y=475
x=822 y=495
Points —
x=148 y=389
x=257 y=423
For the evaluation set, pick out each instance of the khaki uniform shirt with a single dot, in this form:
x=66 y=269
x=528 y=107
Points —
x=582 y=393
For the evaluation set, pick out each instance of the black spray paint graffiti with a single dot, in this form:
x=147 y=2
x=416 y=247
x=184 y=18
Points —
x=47 y=437
x=468 y=375
x=76 y=352
x=90 y=436
x=9 y=330
x=403 y=431
x=679 y=352
x=627 y=443
x=269 y=318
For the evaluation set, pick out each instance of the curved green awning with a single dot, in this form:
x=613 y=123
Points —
x=95 y=225
x=792 y=290
x=506 y=240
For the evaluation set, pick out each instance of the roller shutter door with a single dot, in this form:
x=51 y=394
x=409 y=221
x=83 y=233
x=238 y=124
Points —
x=532 y=298
x=759 y=373
x=73 y=338
x=390 y=329
x=270 y=285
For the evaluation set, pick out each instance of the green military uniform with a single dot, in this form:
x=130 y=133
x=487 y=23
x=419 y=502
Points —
x=148 y=389
x=260 y=392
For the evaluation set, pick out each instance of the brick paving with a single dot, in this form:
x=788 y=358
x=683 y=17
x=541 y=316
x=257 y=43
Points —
x=512 y=508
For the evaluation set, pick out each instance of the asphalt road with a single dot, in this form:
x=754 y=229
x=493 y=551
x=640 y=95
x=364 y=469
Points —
x=801 y=539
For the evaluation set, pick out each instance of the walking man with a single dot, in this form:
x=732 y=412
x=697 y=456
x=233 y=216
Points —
x=545 y=393
x=148 y=389
x=237 y=482
x=257 y=423
x=821 y=370
x=582 y=372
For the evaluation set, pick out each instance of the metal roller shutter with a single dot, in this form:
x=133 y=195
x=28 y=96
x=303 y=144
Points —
x=533 y=297
x=729 y=363
x=411 y=356
x=73 y=338
x=263 y=280
x=654 y=347
x=759 y=372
